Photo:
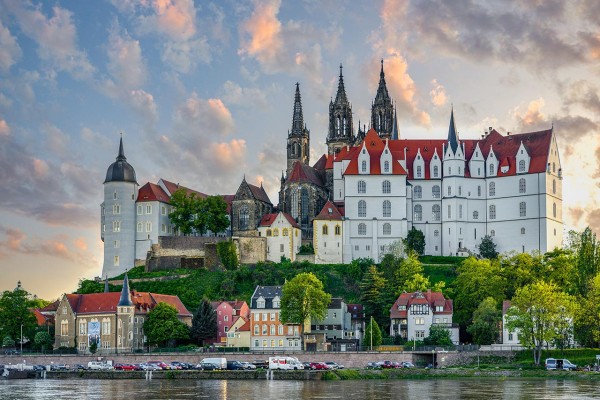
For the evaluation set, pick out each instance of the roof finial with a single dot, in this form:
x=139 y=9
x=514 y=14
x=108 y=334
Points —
x=341 y=75
x=381 y=73
x=121 y=156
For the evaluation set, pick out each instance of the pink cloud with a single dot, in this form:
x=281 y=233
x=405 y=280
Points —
x=228 y=154
x=264 y=29
x=10 y=52
x=533 y=115
x=4 y=128
x=125 y=62
x=438 y=94
x=80 y=244
x=176 y=18
x=40 y=168
x=212 y=115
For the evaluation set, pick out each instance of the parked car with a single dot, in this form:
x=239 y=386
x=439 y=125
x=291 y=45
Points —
x=407 y=364
x=306 y=365
x=58 y=367
x=35 y=367
x=206 y=366
x=560 y=364
x=149 y=367
x=264 y=364
x=248 y=365
x=76 y=367
x=235 y=365
x=11 y=352
x=319 y=366
x=125 y=367
x=334 y=365
x=159 y=364
x=220 y=362
x=97 y=365
x=387 y=364
x=373 y=365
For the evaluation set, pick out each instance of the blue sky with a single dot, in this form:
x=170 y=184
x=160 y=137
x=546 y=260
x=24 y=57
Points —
x=203 y=93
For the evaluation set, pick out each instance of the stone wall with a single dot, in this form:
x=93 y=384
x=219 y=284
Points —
x=251 y=249
x=190 y=252
x=306 y=257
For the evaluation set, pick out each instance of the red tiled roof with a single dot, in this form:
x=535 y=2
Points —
x=375 y=147
x=52 y=307
x=172 y=300
x=304 y=173
x=96 y=303
x=73 y=300
x=173 y=187
x=429 y=297
x=236 y=304
x=246 y=326
x=321 y=163
x=268 y=219
x=259 y=193
x=329 y=212
x=152 y=192
x=41 y=318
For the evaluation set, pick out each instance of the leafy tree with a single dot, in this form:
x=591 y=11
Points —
x=42 y=340
x=204 y=323
x=36 y=302
x=415 y=241
x=536 y=312
x=476 y=281
x=417 y=283
x=192 y=213
x=14 y=312
x=438 y=336
x=303 y=299
x=216 y=211
x=88 y=286
x=228 y=254
x=588 y=319
x=521 y=269
x=185 y=208
x=162 y=325
x=561 y=269
x=373 y=327
x=8 y=342
x=372 y=288
x=486 y=319
x=487 y=247
x=406 y=270
x=588 y=260
x=93 y=347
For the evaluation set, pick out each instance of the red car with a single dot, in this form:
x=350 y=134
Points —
x=318 y=366
x=125 y=367
x=388 y=364
x=160 y=364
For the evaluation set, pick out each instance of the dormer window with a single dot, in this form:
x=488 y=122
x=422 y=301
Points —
x=401 y=308
x=364 y=165
x=260 y=303
x=276 y=302
x=492 y=169
x=386 y=166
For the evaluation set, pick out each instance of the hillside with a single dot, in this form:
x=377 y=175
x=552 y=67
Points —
x=340 y=280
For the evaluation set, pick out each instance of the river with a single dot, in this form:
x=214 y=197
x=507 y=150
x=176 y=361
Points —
x=266 y=390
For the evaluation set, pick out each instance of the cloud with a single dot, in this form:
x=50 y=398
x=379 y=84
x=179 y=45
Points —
x=184 y=56
x=4 y=128
x=10 y=52
x=437 y=94
x=56 y=140
x=211 y=116
x=55 y=36
x=533 y=117
x=593 y=220
x=125 y=62
x=227 y=154
x=15 y=241
x=264 y=29
x=243 y=96
x=143 y=103
x=173 y=18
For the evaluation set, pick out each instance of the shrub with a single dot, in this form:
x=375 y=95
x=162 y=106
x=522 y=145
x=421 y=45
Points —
x=227 y=254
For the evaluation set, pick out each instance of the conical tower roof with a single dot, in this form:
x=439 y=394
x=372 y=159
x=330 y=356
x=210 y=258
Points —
x=382 y=96
x=297 y=118
x=340 y=97
x=452 y=134
x=125 y=299
x=120 y=170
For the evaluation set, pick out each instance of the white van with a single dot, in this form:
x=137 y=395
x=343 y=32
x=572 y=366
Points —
x=285 y=363
x=220 y=362
x=98 y=365
x=560 y=364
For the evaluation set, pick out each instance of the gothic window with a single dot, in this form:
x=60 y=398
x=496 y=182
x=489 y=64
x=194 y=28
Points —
x=338 y=120
x=436 y=210
x=244 y=217
x=387 y=229
x=362 y=187
x=386 y=166
x=522 y=209
x=553 y=186
x=418 y=212
x=325 y=230
x=522 y=231
x=475 y=215
x=275 y=232
x=554 y=210
x=492 y=212
x=140 y=227
x=386 y=187
x=492 y=189
x=285 y=232
x=553 y=167
x=294 y=204
x=522 y=187
x=435 y=171
x=435 y=192
x=387 y=208
x=418 y=171
x=269 y=233
x=364 y=166
x=362 y=208
x=338 y=230
x=148 y=226
x=305 y=204
x=362 y=229
x=116 y=226
x=460 y=190
x=418 y=192
x=522 y=166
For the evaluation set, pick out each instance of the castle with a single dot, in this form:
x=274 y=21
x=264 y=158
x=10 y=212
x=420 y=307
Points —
x=369 y=190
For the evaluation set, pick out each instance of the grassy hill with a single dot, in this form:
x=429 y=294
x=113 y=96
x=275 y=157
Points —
x=341 y=280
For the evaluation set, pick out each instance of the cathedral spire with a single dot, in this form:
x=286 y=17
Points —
x=297 y=118
x=340 y=97
x=395 y=133
x=121 y=156
x=452 y=135
x=298 y=141
x=341 y=132
x=382 y=112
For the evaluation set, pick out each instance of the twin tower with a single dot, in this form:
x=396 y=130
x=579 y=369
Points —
x=341 y=126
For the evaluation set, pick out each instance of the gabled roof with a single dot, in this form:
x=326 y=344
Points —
x=321 y=163
x=269 y=219
x=430 y=298
x=103 y=303
x=259 y=193
x=266 y=292
x=329 y=212
x=173 y=187
x=375 y=146
x=50 y=308
x=305 y=173
x=152 y=192
x=172 y=300
x=42 y=319
x=246 y=326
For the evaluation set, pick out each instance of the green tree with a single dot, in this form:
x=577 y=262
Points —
x=185 y=208
x=14 y=312
x=162 y=326
x=216 y=211
x=415 y=241
x=418 y=282
x=7 y=341
x=476 y=281
x=487 y=247
x=521 y=269
x=42 y=340
x=561 y=269
x=438 y=336
x=372 y=294
x=588 y=318
x=303 y=300
x=405 y=272
x=587 y=261
x=93 y=347
x=372 y=330
x=536 y=312
x=486 y=320
x=204 y=323
x=228 y=254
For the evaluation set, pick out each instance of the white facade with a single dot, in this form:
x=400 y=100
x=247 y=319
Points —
x=328 y=238
x=152 y=221
x=283 y=238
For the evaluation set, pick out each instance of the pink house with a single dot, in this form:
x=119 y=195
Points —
x=227 y=313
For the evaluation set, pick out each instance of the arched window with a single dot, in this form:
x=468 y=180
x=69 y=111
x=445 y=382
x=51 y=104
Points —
x=522 y=185
x=492 y=171
x=338 y=230
x=553 y=167
x=436 y=210
x=492 y=212
x=294 y=204
x=418 y=212
x=386 y=187
x=362 y=208
x=522 y=209
x=554 y=210
x=275 y=232
x=435 y=171
x=304 y=206
x=285 y=232
x=492 y=189
x=386 y=166
x=387 y=209
x=244 y=217
x=325 y=230
x=387 y=229
x=362 y=229
x=435 y=192
x=475 y=215
x=362 y=187
x=522 y=166
x=436 y=233
x=492 y=233
x=418 y=192
x=522 y=231
x=269 y=232
x=553 y=186
x=364 y=166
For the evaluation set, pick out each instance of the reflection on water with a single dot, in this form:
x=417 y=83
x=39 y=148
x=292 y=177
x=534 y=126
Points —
x=266 y=390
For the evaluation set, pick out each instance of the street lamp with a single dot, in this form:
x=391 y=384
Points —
x=21 y=339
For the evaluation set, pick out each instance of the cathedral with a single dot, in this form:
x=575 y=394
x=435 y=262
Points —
x=369 y=190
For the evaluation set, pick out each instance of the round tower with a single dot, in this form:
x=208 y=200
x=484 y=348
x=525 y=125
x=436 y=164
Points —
x=118 y=216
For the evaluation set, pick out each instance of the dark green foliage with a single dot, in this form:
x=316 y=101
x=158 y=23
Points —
x=42 y=340
x=93 y=347
x=415 y=240
x=587 y=261
x=487 y=247
x=7 y=341
x=306 y=249
x=14 y=312
x=227 y=254
x=372 y=330
x=204 y=323
x=438 y=336
x=192 y=213
x=88 y=286
x=486 y=319
x=163 y=327
x=372 y=289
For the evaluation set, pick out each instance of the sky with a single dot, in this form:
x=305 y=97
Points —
x=202 y=92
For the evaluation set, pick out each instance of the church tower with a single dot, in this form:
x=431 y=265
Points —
x=125 y=312
x=298 y=142
x=118 y=216
x=382 y=111
x=340 y=120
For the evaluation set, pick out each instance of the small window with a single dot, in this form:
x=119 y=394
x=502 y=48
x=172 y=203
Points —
x=435 y=171
x=475 y=215
x=436 y=211
x=140 y=209
x=492 y=211
x=435 y=192
x=492 y=233
x=281 y=249
x=362 y=208
x=325 y=230
x=418 y=212
x=364 y=166
x=522 y=209
x=338 y=230
x=449 y=191
x=479 y=191
x=362 y=187
x=116 y=260
x=362 y=229
x=387 y=229
x=148 y=209
x=449 y=211
x=554 y=210
x=269 y=232
x=140 y=227
x=522 y=185
x=492 y=189
x=522 y=164
x=522 y=231
x=492 y=170
x=436 y=233
x=386 y=187
x=386 y=166
x=285 y=232
x=418 y=171
x=553 y=186
x=148 y=226
x=387 y=209
x=418 y=192
x=275 y=232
